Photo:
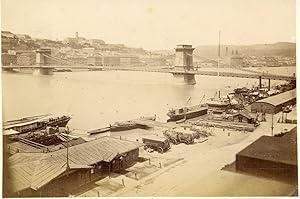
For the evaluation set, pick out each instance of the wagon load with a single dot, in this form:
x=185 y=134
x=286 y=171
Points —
x=156 y=143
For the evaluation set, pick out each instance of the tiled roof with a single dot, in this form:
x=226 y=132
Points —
x=243 y=113
x=35 y=170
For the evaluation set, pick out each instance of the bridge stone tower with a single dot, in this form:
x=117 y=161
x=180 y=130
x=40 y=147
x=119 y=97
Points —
x=184 y=63
x=184 y=57
x=42 y=57
x=43 y=61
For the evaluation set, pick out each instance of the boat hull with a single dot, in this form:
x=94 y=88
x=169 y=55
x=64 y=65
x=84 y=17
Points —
x=39 y=125
x=188 y=115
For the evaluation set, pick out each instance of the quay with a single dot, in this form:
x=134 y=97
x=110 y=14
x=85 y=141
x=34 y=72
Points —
x=94 y=167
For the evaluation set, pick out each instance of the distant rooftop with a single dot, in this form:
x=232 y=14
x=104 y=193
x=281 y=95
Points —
x=184 y=46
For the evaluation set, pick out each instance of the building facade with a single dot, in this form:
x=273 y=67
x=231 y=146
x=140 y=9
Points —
x=26 y=58
x=8 y=59
x=130 y=60
x=95 y=61
x=236 y=61
x=111 y=61
x=76 y=60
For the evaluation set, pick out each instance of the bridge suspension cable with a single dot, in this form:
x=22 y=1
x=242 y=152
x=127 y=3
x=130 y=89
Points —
x=60 y=61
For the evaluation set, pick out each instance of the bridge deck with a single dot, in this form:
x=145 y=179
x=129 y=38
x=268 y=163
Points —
x=239 y=75
x=254 y=75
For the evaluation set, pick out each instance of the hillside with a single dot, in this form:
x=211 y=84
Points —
x=276 y=49
x=211 y=51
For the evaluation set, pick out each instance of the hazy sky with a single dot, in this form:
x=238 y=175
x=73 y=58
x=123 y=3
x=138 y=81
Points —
x=154 y=24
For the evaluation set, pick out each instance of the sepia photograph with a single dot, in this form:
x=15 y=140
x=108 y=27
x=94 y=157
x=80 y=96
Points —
x=149 y=98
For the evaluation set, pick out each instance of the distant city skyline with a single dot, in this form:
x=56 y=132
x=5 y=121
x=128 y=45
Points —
x=155 y=25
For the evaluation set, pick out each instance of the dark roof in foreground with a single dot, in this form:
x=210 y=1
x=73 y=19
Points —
x=34 y=170
x=280 y=98
x=276 y=149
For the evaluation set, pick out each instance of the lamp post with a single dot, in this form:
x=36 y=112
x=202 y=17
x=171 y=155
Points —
x=68 y=167
x=219 y=53
x=272 y=124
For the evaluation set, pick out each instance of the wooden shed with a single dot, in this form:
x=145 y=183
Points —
x=58 y=173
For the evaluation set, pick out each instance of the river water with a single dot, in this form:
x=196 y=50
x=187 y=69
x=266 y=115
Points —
x=96 y=99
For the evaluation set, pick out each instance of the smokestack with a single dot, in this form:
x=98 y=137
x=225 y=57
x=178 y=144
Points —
x=219 y=51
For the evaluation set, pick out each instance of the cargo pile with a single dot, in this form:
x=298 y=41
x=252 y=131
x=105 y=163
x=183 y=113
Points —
x=177 y=136
x=127 y=125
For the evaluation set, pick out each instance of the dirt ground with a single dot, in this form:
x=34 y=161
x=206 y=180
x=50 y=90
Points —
x=195 y=170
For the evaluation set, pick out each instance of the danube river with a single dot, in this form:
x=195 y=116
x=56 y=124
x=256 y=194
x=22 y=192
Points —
x=96 y=99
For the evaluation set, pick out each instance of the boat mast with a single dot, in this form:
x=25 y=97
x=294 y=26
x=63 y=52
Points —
x=68 y=166
x=219 y=53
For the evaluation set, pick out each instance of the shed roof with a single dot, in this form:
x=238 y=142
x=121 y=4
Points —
x=276 y=149
x=280 y=98
x=35 y=170
x=243 y=113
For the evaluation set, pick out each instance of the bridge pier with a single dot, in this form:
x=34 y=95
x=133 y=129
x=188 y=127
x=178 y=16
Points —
x=177 y=75
x=46 y=71
x=42 y=60
x=189 y=79
x=8 y=69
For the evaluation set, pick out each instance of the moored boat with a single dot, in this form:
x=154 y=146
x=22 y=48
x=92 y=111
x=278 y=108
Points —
x=35 y=123
x=127 y=125
x=186 y=112
x=100 y=130
x=219 y=103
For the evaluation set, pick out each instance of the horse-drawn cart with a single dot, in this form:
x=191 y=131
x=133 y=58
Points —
x=156 y=143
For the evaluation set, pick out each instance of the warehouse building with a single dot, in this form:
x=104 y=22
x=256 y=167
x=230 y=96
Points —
x=60 y=172
x=270 y=156
x=274 y=104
